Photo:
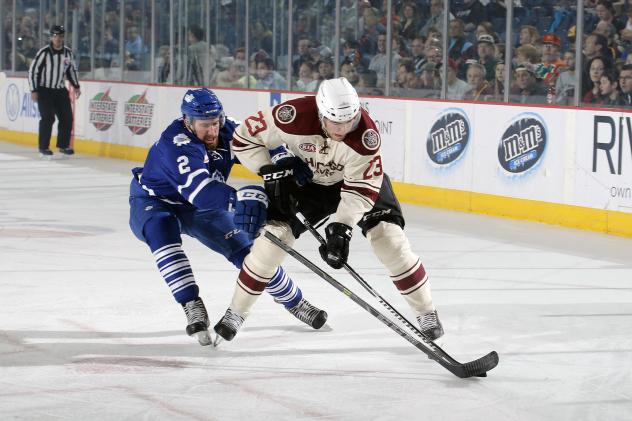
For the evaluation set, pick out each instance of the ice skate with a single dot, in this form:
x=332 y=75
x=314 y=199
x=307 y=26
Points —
x=228 y=326
x=197 y=320
x=307 y=313
x=66 y=152
x=430 y=325
x=46 y=154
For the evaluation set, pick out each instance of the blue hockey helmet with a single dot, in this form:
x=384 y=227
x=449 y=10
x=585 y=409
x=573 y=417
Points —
x=202 y=104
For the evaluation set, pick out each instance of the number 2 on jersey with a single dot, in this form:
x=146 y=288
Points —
x=183 y=164
x=374 y=169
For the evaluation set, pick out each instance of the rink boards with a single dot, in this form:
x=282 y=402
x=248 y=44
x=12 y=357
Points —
x=562 y=166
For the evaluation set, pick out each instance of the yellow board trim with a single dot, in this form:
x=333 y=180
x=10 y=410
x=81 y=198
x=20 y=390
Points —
x=600 y=220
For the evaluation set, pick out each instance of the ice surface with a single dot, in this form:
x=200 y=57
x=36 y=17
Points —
x=90 y=331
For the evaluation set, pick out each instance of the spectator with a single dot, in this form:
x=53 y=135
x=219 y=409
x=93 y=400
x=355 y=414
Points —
x=410 y=22
x=326 y=68
x=479 y=88
x=231 y=76
x=552 y=64
x=565 y=84
x=163 y=65
x=404 y=70
x=529 y=35
x=379 y=61
x=367 y=85
x=429 y=81
x=306 y=81
x=607 y=15
x=197 y=56
x=353 y=55
x=596 y=69
x=302 y=54
x=596 y=45
x=499 y=51
x=349 y=71
x=485 y=50
x=486 y=28
x=267 y=77
x=471 y=12
x=418 y=54
x=436 y=17
x=135 y=45
x=526 y=54
x=609 y=89
x=528 y=90
x=498 y=85
x=626 y=33
x=370 y=28
x=457 y=88
x=459 y=48
x=625 y=83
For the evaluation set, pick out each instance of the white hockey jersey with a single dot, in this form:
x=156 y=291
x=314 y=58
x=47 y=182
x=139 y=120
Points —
x=356 y=161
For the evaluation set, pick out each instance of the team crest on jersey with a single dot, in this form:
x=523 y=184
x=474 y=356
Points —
x=307 y=147
x=181 y=139
x=286 y=114
x=371 y=139
x=216 y=156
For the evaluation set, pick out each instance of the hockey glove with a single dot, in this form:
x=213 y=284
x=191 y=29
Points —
x=336 y=251
x=302 y=172
x=251 y=209
x=281 y=183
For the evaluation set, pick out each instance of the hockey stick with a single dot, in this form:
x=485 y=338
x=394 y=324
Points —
x=369 y=288
x=473 y=368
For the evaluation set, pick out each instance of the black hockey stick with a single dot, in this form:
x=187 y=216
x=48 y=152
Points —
x=473 y=368
x=370 y=289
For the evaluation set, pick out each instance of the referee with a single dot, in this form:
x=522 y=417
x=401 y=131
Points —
x=47 y=74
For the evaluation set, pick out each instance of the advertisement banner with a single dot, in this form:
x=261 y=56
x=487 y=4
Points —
x=603 y=157
x=441 y=145
x=563 y=156
x=19 y=111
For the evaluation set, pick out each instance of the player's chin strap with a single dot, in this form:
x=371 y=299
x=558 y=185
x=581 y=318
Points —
x=478 y=367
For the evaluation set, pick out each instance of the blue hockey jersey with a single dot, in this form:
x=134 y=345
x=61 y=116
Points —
x=179 y=169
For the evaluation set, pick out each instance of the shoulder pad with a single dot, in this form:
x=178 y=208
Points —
x=365 y=139
x=298 y=116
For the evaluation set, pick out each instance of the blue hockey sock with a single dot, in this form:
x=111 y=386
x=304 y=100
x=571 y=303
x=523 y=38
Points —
x=283 y=289
x=162 y=234
x=175 y=269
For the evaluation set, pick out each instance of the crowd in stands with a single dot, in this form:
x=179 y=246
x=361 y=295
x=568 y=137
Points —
x=542 y=46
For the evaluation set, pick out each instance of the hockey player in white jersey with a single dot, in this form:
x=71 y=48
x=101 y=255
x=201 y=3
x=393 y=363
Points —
x=336 y=171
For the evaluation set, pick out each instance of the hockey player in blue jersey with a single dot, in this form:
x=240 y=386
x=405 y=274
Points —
x=182 y=189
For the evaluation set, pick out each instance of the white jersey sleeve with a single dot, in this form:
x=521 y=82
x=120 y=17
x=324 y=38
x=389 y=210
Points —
x=253 y=138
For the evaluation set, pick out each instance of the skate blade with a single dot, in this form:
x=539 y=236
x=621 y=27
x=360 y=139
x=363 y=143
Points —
x=218 y=340
x=46 y=157
x=203 y=337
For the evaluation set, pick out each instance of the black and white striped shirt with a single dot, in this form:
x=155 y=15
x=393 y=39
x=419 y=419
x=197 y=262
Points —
x=50 y=67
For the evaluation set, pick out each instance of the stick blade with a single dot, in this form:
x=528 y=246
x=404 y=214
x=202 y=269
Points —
x=479 y=367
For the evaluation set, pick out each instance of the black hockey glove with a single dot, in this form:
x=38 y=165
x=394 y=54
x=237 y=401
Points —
x=336 y=251
x=280 y=184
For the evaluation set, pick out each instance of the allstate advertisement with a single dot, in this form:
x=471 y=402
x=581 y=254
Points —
x=20 y=112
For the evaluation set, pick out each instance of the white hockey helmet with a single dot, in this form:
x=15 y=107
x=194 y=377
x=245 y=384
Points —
x=337 y=100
